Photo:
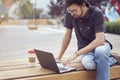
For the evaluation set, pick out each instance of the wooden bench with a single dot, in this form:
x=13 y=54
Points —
x=20 y=70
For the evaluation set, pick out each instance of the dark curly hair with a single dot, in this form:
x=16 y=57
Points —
x=78 y=2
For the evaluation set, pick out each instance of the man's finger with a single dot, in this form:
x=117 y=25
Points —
x=64 y=63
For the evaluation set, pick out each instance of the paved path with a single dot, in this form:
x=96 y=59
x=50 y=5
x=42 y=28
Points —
x=15 y=41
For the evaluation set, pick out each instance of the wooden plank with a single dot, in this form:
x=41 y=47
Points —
x=13 y=62
x=15 y=67
x=23 y=61
x=22 y=73
x=19 y=71
x=19 y=64
x=46 y=74
x=78 y=75
x=115 y=72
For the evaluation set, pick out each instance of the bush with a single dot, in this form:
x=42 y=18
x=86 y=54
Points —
x=113 y=27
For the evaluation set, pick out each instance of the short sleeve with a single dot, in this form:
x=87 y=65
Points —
x=68 y=21
x=99 y=22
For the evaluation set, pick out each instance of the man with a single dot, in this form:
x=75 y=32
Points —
x=88 y=23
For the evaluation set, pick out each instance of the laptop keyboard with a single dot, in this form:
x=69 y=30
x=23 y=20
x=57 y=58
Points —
x=61 y=68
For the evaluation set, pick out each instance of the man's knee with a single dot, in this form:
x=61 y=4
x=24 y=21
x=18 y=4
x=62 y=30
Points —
x=88 y=63
x=100 y=51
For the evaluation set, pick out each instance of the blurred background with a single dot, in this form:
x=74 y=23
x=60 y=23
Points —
x=50 y=9
x=30 y=24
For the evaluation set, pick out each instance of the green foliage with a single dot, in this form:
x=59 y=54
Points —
x=16 y=0
x=113 y=27
x=2 y=9
x=56 y=9
x=26 y=10
x=37 y=12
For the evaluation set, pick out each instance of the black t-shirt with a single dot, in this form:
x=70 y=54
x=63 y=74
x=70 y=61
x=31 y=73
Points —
x=86 y=28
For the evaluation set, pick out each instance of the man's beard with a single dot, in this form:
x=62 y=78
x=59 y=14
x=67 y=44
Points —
x=76 y=16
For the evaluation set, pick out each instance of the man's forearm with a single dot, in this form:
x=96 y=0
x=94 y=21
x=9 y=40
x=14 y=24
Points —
x=95 y=43
x=65 y=43
x=64 y=46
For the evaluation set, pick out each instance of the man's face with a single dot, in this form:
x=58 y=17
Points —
x=75 y=10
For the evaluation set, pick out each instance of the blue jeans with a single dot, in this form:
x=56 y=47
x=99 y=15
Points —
x=100 y=60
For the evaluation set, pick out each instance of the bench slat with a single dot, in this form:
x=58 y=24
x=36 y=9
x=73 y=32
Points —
x=26 y=72
x=19 y=69
x=78 y=75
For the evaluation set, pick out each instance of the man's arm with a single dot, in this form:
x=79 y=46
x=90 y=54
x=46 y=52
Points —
x=65 y=43
x=98 y=41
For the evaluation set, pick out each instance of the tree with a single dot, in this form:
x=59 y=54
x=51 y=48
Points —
x=3 y=12
x=26 y=10
x=37 y=12
x=2 y=9
x=56 y=9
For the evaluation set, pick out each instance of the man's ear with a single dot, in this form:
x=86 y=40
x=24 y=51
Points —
x=83 y=5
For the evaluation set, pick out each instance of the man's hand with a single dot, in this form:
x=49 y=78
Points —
x=71 y=58
x=57 y=60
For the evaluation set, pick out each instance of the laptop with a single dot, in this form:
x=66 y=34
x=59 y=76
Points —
x=46 y=60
